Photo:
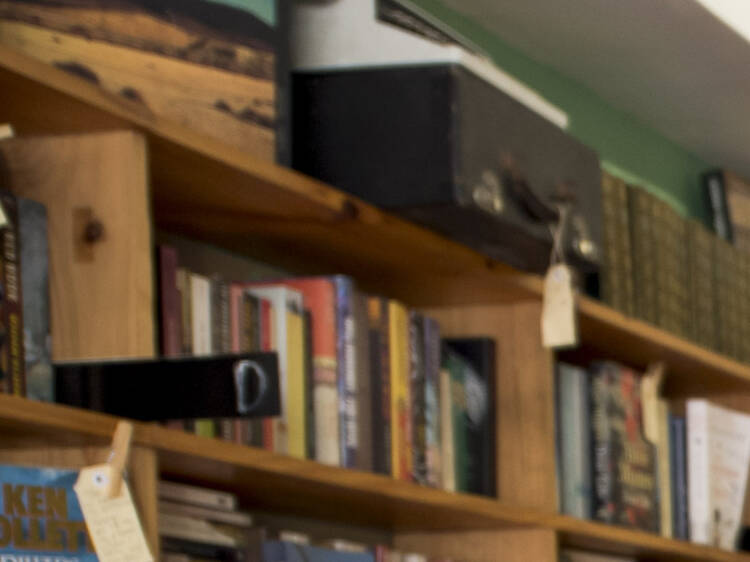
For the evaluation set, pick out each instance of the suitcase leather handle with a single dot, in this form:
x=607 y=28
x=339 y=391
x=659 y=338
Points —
x=520 y=190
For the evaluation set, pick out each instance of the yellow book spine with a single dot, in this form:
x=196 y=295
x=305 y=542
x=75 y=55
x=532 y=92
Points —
x=398 y=319
x=296 y=415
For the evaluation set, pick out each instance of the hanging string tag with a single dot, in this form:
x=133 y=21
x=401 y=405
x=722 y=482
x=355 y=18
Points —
x=108 y=508
x=559 y=319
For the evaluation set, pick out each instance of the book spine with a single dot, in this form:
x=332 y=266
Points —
x=364 y=384
x=715 y=191
x=310 y=382
x=320 y=299
x=664 y=468
x=296 y=414
x=169 y=305
x=699 y=474
x=400 y=401
x=381 y=384
x=186 y=308
x=13 y=348
x=701 y=278
x=347 y=371
x=679 y=478
x=432 y=401
x=641 y=209
x=36 y=300
x=447 y=454
x=200 y=294
x=574 y=469
x=417 y=396
x=612 y=275
x=457 y=369
x=603 y=507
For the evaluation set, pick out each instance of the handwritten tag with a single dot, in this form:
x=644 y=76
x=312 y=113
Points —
x=113 y=523
x=559 y=321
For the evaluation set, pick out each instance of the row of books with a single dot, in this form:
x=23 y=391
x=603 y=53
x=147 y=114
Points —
x=25 y=350
x=625 y=459
x=673 y=272
x=365 y=382
x=202 y=524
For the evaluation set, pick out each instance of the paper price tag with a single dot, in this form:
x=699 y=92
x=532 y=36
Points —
x=559 y=320
x=113 y=523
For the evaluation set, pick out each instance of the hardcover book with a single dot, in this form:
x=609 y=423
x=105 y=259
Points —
x=617 y=258
x=42 y=508
x=380 y=373
x=401 y=434
x=475 y=357
x=11 y=349
x=320 y=297
x=701 y=264
x=678 y=452
x=625 y=481
x=40 y=382
x=574 y=441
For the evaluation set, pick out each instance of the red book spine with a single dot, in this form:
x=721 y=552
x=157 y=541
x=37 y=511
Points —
x=170 y=305
x=266 y=344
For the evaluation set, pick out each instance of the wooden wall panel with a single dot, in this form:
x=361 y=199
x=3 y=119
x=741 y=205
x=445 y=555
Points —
x=102 y=294
x=525 y=397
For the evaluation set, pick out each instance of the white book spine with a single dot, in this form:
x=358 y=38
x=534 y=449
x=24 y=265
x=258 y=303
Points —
x=200 y=294
x=699 y=487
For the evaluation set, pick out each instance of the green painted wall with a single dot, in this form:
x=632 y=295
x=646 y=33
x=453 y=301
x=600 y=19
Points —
x=264 y=9
x=627 y=148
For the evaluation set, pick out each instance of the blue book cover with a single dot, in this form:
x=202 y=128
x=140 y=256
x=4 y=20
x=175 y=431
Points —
x=41 y=517
x=574 y=442
x=680 y=524
x=276 y=551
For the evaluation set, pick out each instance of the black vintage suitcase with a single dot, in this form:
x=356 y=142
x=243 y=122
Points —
x=441 y=146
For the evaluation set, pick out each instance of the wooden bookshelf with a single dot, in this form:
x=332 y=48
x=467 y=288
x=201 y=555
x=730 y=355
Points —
x=206 y=190
x=269 y=481
x=263 y=209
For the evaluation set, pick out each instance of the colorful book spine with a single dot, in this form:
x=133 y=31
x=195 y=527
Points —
x=401 y=447
x=417 y=394
x=432 y=401
x=36 y=300
x=347 y=370
x=625 y=487
x=364 y=400
x=574 y=441
x=320 y=298
x=287 y=433
x=12 y=348
x=380 y=373
x=477 y=359
x=456 y=368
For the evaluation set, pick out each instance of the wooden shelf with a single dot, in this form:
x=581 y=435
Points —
x=265 y=480
x=210 y=191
